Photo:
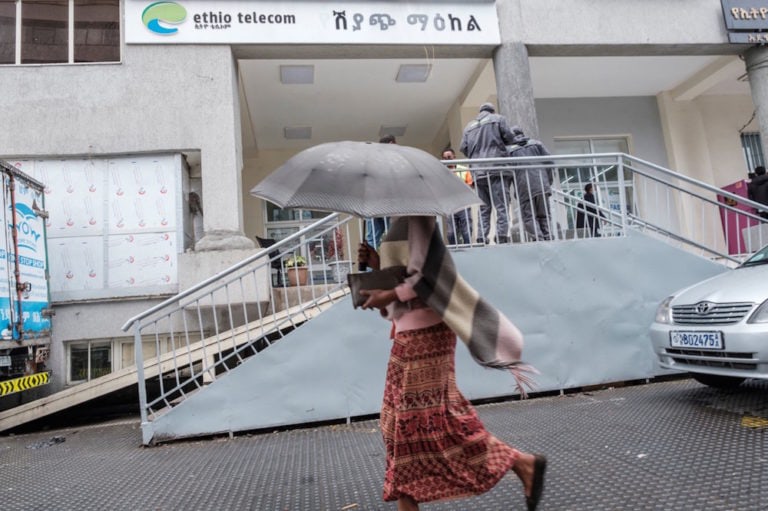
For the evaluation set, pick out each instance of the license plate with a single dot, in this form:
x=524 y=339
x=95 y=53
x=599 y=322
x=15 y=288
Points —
x=697 y=340
x=5 y=360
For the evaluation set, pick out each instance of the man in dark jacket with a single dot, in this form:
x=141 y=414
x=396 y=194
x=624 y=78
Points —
x=487 y=137
x=533 y=186
x=757 y=189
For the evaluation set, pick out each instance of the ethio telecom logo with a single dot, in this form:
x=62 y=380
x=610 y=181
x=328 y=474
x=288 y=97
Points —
x=158 y=13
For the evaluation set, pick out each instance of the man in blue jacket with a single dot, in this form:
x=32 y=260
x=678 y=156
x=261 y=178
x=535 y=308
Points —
x=488 y=136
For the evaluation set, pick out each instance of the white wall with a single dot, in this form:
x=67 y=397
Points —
x=160 y=99
x=683 y=26
x=723 y=117
x=637 y=117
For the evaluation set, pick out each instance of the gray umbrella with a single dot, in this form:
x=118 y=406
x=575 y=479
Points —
x=366 y=179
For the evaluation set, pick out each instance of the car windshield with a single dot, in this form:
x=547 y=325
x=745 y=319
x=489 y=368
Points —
x=759 y=257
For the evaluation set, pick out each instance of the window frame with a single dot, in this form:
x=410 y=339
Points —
x=70 y=39
x=606 y=190
x=89 y=345
x=751 y=146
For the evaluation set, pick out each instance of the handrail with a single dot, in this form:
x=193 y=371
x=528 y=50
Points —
x=719 y=191
x=228 y=271
x=693 y=181
x=555 y=158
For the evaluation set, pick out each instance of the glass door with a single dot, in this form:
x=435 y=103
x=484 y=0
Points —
x=604 y=178
x=318 y=251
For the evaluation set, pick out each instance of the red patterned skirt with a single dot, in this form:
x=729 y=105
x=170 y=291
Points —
x=436 y=446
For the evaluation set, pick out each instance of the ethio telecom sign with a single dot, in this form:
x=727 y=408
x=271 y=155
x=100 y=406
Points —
x=308 y=22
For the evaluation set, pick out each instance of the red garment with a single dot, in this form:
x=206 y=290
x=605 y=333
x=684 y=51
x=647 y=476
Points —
x=436 y=446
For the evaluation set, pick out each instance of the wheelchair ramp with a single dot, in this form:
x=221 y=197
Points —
x=584 y=317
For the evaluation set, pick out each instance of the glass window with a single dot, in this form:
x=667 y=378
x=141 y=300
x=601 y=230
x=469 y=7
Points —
x=44 y=31
x=47 y=29
x=277 y=214
x=78 y=362
x=604 y=177
x=101 y=360
x=97 y=30
x=611 y=145
x=573 y=174
x=88 y=360
x=753 y=150
x=148 y=350
x=7 y=31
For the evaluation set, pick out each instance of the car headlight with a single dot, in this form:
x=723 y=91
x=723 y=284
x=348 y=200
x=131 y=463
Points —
x=664 y=312
x=760 y=315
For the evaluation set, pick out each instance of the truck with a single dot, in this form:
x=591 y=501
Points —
x=25 y=310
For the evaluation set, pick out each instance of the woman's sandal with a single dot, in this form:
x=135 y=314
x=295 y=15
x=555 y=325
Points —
x=537 y=486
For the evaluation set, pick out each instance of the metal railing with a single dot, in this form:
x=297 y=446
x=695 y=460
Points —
x=207 y=330
x=628 y=192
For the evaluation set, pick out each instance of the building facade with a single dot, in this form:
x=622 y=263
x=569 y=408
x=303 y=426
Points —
x=149 y=122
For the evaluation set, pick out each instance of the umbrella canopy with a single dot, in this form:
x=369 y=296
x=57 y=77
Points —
x=366 y=179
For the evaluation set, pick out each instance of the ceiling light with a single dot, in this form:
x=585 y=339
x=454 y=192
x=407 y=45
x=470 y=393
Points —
x=396 y=131
x=297 y=132
x=413 y=73
x=297 y=74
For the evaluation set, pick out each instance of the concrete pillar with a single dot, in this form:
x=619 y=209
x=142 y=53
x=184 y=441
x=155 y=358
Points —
x=222 y=180
x=757 y=68
x=514 y=88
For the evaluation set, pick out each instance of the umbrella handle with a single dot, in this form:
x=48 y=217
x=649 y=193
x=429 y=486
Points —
x=363 y=266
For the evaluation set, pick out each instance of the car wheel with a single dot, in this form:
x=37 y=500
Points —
x=717 y=381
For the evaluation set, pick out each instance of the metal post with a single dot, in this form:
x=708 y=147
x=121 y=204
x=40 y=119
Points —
x=622 y=195
x=138 y=351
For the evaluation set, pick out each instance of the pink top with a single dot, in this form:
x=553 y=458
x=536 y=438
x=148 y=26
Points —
x=420 y=316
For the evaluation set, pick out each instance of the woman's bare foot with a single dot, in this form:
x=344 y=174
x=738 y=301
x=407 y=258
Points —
x=406 y=503
x=523 y=468
x=530 y=469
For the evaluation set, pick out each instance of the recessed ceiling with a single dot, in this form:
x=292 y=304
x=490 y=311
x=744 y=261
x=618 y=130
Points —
x=353 y=99
x=350 y=100
x=596 y=77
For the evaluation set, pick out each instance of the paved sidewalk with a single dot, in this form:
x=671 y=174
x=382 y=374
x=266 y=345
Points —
x=674 y=445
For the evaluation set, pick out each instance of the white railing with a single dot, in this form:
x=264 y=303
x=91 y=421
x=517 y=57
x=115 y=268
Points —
x=629 y=192
x=204 y=332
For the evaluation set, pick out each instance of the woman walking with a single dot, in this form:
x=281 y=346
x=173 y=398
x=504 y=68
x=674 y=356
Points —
x=436 y=446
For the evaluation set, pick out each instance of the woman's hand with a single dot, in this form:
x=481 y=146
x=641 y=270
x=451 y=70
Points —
x=378 y=298
x=367 y=254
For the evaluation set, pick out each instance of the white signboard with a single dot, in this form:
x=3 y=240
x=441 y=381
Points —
x=113 y=224
x=255 y=22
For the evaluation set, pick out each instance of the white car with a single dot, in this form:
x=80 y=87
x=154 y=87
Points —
x=717 y=330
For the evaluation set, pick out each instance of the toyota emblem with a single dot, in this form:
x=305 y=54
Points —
x=703 y=308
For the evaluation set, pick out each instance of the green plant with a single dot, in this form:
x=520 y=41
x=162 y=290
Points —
x=295 y=260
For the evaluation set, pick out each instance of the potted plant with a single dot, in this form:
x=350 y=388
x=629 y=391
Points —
x=296 y=268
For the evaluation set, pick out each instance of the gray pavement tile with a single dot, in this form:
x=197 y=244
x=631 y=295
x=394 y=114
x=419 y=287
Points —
x=673 y=445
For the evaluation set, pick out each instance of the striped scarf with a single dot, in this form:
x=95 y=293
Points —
x=493 y=341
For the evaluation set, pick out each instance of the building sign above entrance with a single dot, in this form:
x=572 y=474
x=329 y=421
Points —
x=308 y=22
x=746 y=21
